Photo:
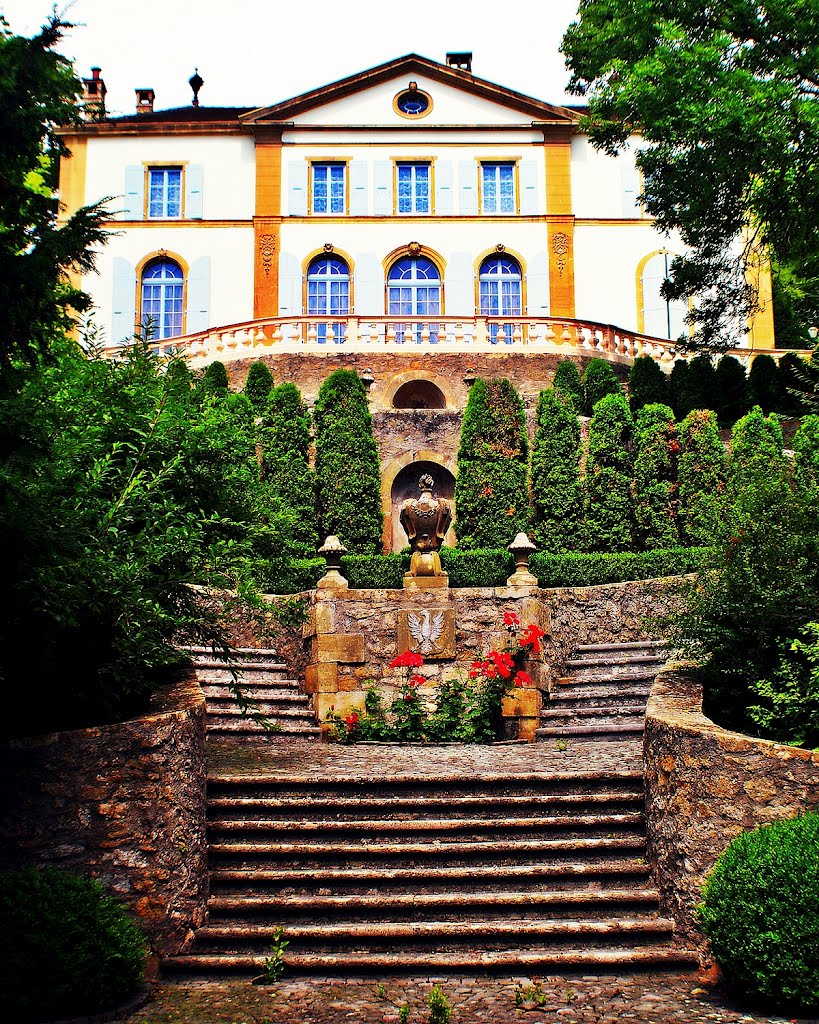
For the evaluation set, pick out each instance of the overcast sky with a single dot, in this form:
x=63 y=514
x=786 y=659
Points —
x=257 y=52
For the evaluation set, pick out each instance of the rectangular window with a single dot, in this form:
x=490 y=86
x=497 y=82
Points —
x=164 y=191
x=329 y=188
x=413 y=188
x=498 y=188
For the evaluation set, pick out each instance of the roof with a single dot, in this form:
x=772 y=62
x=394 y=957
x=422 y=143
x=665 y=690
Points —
x=183 y=115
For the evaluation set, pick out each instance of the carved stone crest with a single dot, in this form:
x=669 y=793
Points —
x=267 y=248
x=560 y=247
x=429 y=632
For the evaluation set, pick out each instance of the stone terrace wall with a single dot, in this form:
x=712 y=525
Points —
x=123 y=803
x=706 y=785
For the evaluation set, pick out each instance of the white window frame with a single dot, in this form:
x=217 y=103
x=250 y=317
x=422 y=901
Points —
x=164 y=213
x=336 y=205
x=413 y=167
x=494 y=169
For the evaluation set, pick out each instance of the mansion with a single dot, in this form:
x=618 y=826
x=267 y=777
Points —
x=414 y=222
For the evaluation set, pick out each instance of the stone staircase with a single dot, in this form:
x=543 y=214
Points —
x=264 y=681
x=604 y=693
x=454 y=872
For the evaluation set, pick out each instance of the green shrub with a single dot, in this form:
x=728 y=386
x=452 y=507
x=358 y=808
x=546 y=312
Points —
x=258 y=385
x=733 y=396
x=701 y=384
x=557 y=497
x=647 y=384
x=293 y=576
x=348 y=476
x=760 y=908
x=66 y=948
x=791 y=372
x=214 y=382
x=678 y=383
x=608 y=506
x=478 y=567
x=701 y=475
x=568 y=381
x=575 y=569
x=655 y=477
x=765 y=384
x=806 y=457
x=599 y=380
x=375 y=572
x=789 y=700
x=756 y=451
x=491 y=490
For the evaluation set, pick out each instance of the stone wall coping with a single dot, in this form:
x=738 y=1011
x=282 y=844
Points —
x=171 y=700
x=675 y=702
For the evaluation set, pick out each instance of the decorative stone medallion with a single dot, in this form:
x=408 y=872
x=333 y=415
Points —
x=429 y=632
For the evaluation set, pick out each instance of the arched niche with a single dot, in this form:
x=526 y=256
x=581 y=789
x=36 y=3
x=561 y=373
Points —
x=419 y=394
x=400 y=482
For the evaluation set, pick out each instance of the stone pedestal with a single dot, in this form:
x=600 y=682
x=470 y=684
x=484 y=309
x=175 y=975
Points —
x=425 y=582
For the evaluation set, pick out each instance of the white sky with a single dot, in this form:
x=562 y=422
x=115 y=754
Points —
x=257 y=52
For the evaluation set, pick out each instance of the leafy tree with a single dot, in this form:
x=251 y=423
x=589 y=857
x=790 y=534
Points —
x=647 y=384
x=655 y=477
x=285 y=444
x=258 y=385
x=806 y=456
x=765 y=384
x=792 y=370
x=678 y=382
x=756 y=452
x=731 y=389
x=701 y=474
x=348 y=478
x=609 y=509
x=491 y=494
x=599 y=379
x=724 y=96
x=557 y=497
x=214 y=383
x=567 y=379
x=38 y=93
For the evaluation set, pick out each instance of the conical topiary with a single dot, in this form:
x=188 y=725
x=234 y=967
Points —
x=557 y=497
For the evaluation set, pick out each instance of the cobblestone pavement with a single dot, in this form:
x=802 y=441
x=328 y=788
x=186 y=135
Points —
x=641 y=999
x=285 y=757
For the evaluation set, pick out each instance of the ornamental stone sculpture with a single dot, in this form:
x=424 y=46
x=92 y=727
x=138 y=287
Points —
x=426 y=520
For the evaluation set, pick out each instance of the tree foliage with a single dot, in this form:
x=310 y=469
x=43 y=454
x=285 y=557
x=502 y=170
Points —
x=756 y=452
x=599 y=379
x=491 y=492
x=567 y=380
x=765 y=384
x=609 y=509
x=701 y=475
x=724 y=96
x=557 y=497
x=258 y=385
x=647 y=384
x=348 y=478
x=655 y=477
x=731 y=388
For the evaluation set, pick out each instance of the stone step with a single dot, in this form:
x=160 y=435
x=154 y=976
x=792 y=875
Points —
x=413 y=880
x=281 y=714
x=438 y=906
x=244 y=729
x=635 y=646
x=274 y=692
x=570 y=688
x=274 y=675
x=322 y=855
x=508 y=960
x=268 y=808
x=611 y=673
x=602 y=731
x=584 y=658
x=475 y=934
x=593 y=709
x=242 y=652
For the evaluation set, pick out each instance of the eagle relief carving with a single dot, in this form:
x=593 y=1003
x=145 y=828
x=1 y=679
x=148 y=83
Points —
x=426 y=630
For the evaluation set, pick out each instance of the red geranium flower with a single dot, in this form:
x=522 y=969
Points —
x=531 y=638
x=523 y=679
x=351 y=720
x=511 y=619
x=409 y=659
x=417 y=680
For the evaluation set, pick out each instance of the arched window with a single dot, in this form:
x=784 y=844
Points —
x=162 y=299
x=414 y=289
x=328 y=294
x=500 y=293
x=661 y=319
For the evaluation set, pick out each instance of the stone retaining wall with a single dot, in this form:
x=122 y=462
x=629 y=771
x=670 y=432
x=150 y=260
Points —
x=706 y=785
x=123 y=803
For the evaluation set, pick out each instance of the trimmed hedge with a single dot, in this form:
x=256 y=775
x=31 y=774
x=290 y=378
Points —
x=258 y=385
x=557 y=495
x=576 y=569
x=481 y=567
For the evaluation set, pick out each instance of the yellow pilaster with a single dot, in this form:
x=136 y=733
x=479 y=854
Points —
x=560 y=229
x=267 y=225
x=71 y=188
x=761 y=328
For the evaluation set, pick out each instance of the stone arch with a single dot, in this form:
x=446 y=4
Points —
x=399 y=480
x=408 y=377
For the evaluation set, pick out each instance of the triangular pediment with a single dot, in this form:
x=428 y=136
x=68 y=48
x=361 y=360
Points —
x=457 y=97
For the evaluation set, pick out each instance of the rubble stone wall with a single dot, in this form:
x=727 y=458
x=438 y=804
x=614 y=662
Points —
x=705 y=785
x=123 y=803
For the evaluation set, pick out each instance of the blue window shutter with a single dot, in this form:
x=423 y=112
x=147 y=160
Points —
x=382 y=178
x=134 y=208
x=194 y=182
x=358 y=188
x=123 y=306
x=527 y=176
x=443 y=187
x=199 y=296
x=297 y=188
x=468 y=173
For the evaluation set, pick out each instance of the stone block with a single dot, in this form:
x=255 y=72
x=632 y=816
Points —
x=523 y=702
x=321 y=678
x=426 y=582
x=341 y=703
x=429 y=632
x=345 y=648
x=324 y=617
x=527 y=728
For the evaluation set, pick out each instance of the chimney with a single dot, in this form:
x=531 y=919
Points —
x=93 y=96
x=460 y=61
x=145 y=101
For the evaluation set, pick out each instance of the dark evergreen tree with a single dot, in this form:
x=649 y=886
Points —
x=647 y=384
x=557 y=497
x=678 y=382
x=806 y=459
x=701 y=384
x=791 y=371
x=289 y=481
x=567 y=380
x=599 y=379
x=609 y=508
x=701 y=474
x=491 y=494
x=756 y=451
x=348 y=479
x=258 y=385
x=214 y=382
x=731 y=385
x=655 y=477
x=765 y=384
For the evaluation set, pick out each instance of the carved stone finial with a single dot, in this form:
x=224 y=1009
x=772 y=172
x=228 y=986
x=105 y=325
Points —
x=329 y=247
x=500 y=247
x=195 y=82
x=332 y=550
x=414 y=248
x=521 y=548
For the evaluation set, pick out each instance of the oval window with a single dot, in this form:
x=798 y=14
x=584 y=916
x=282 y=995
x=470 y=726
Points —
x=412 y=103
